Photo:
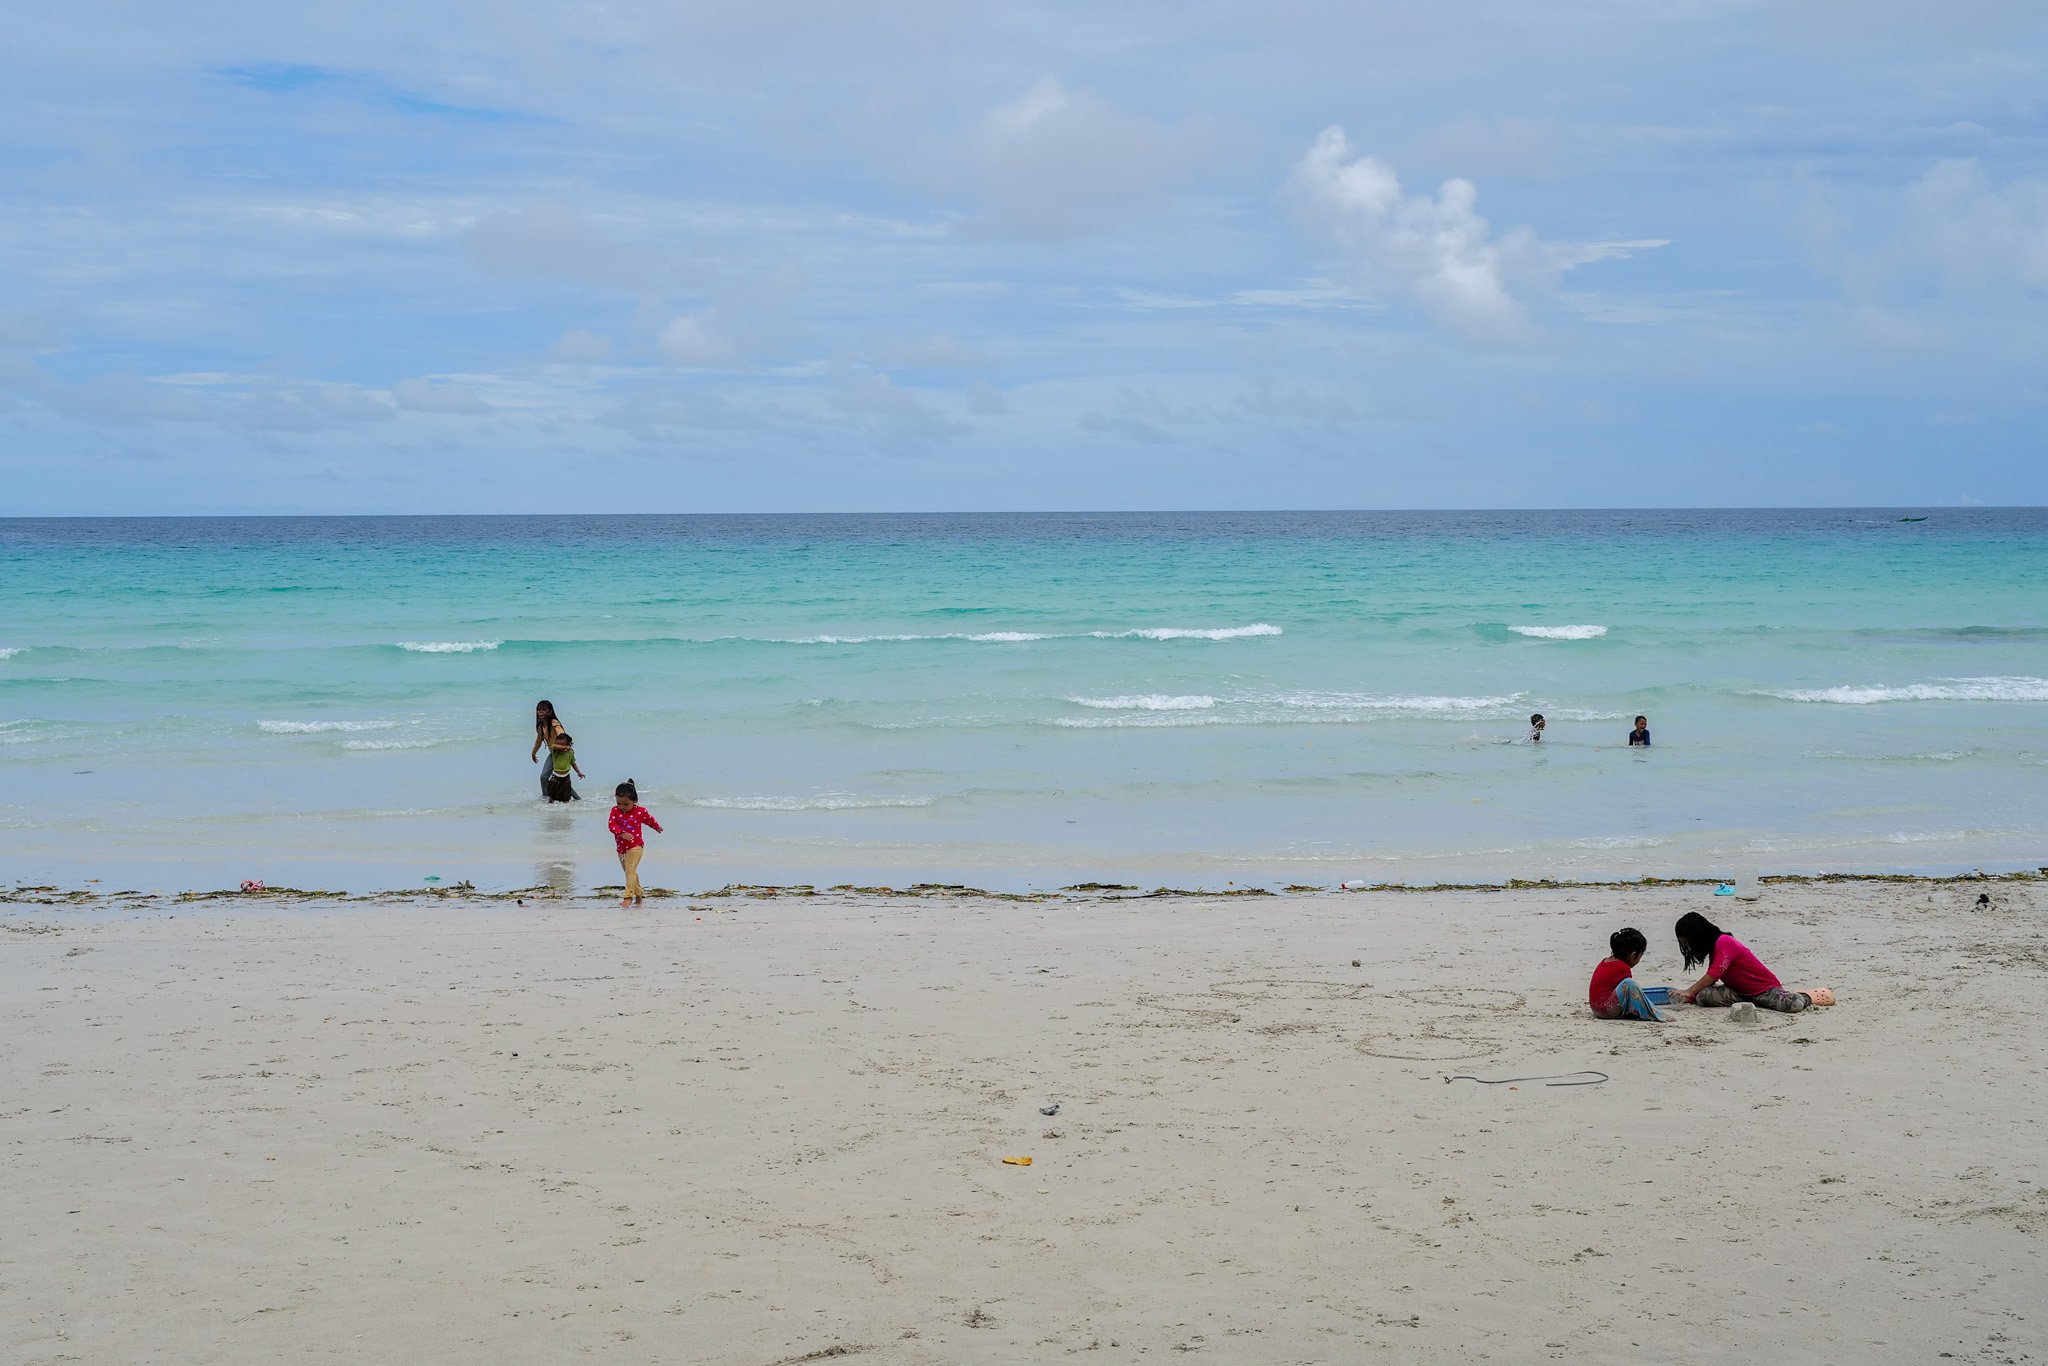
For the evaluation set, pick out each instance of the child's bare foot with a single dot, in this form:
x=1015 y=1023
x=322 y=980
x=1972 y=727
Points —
x=625 y=903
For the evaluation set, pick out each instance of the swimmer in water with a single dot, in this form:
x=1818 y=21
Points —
x=1536 y=728
x=1641 y=734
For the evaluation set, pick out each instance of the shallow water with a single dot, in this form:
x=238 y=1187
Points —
x=1025 y=700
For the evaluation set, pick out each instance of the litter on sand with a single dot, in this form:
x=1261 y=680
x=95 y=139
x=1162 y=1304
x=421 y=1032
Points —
x=1051 y=1109
x=1016 y=1161
x=1587 y=1078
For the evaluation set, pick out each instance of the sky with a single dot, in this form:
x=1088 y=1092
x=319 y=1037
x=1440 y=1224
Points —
x=790 y=255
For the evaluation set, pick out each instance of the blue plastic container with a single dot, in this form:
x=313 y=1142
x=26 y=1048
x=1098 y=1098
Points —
x=1657 y=996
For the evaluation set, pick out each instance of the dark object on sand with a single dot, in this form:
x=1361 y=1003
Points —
x=1051 y=1109
x=1587 y=1078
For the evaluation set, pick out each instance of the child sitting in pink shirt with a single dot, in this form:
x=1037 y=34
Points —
x=1733 y=972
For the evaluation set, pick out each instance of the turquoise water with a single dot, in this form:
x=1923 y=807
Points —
x=1025 y=701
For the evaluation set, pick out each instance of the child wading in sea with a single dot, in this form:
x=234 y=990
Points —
x=561 y=763
x=1641 y=734
x=1733 y=972
x=625 y=820
x=1614 y=994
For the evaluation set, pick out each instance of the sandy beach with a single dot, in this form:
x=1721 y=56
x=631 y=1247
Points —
x=772 y=1131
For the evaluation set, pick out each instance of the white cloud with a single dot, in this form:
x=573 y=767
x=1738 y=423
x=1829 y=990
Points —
x=438 y=396
x=895 y=415
x=1437 y=251
x=1975 y=235
x=555 y=241
x=579 y=347
x=698 y=339
x=1054 y=162
x=749 y=318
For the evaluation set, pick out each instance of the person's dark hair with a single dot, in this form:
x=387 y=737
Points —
x=1625 y=943
x=1534 y=717
x=1642 y=720
x=627 y=790
x=540 y=721
x=1697 y=936
x=566 y=738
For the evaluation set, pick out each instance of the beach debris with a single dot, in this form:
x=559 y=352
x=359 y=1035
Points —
x=1742 y=1013
x=250 y=884
x=1586 y=1078
x=1051 y=1109
x=1725 y=889
x=1356 y=963
x=1016 y=1162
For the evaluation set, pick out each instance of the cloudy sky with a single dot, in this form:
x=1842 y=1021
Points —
x=911 y=254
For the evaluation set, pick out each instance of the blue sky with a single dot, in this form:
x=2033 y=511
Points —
x=784 y=255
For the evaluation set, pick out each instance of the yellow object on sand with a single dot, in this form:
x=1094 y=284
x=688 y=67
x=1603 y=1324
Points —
x=1017 y=1161
x=1822 y=996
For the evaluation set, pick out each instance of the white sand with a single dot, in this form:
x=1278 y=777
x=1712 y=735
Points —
x=479 y=1133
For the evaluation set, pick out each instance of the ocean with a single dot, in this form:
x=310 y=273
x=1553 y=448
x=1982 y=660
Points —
x=1024 y=701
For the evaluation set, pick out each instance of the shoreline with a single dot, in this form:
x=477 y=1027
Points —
x=23 y=894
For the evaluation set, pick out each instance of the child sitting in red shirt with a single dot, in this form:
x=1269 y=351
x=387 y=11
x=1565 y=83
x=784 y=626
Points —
x=1614 y=994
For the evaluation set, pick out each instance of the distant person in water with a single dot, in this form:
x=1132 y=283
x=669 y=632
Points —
x=1536 y=724
x=1733 y=972
x=1641 y=734
x=561 y=763
x=546 y=726
x=626 y=819
x=1613 y=994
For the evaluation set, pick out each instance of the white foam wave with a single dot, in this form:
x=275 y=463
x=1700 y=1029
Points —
x=1560 y=632
x=828 y=801
x=1149 y=719
x=1147 y=702
x=1018 y=637
x=392 y=744
x=448 y=647
x=1424 y=704
x=320 y=727
x=10 y=651
x=1189 y=632
x=2021 y=689
x=856 y=640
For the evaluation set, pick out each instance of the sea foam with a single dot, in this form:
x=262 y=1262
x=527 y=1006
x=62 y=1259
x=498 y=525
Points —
x=826 y=801
x=1560 y=632
x=1147 y=702
x=448 y=647
x=319 y=727
x=1189 y=632
x=2021 y=689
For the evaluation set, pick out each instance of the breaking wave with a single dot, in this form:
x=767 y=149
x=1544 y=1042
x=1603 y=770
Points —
x=2020 y=689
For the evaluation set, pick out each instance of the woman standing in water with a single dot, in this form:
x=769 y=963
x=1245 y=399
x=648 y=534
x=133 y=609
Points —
x=546 y=726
